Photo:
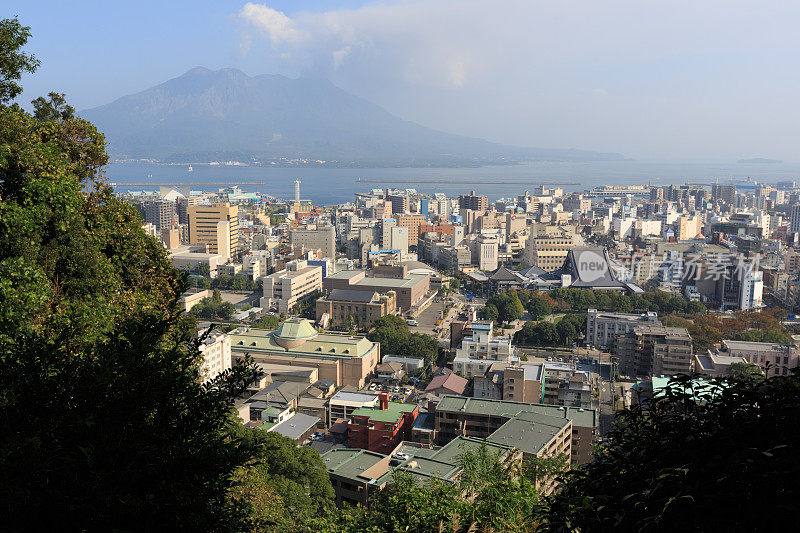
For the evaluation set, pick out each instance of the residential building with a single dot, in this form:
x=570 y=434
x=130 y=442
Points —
x=286 y=287
x=654 y=350
x=161 y=213
x=602 y=328
x=450 y=383
x=216 y=351
x=341 y=358
x=381 y=428
x=473 y=201
x=477 y=352
x=548 y=429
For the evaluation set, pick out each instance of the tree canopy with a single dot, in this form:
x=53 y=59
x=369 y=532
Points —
x=104 y=423
x=396 y=339
x=677 y=462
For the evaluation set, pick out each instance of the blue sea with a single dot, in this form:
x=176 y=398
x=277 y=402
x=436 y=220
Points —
x=327 y=186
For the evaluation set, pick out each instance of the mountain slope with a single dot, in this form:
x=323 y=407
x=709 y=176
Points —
x=205 y=115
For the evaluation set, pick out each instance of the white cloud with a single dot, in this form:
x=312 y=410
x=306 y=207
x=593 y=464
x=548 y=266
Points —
x=279 y=28
x=641 y=77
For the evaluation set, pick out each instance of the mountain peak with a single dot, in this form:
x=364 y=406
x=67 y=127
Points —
x=206 y=115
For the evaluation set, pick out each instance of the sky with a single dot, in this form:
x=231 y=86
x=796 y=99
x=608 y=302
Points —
x=710 y=81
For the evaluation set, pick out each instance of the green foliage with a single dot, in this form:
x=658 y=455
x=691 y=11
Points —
x=213 y=308
x=295 y=475
x=507 y=305
x=567 y=331
x=660 y=302
x=538 y=307
x=396 y=339
x=776 y=336
x=490 y=312
x=491 y=495
x=267 y=322
x=13 y=62
x=678 y=464
x=103 y=421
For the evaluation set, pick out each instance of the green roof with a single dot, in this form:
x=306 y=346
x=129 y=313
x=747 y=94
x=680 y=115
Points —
x=393 y=411
x=255 y=341
x=508 y=409
x=528 y=432
x=296 y=328
x=266 y=425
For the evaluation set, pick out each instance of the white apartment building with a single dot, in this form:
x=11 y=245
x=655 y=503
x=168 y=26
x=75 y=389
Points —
x=295 y=282
x=477 y=353
x=216 y=350
x=602 y=328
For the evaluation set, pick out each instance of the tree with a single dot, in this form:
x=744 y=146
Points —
x=490 y=312
x=539 y=308
x=673 y=464
x=104 y=423
x=546 y=334
x=745 y=371
x=13 y=62
x=567 y=334
x=294 y=474
x=267 y=322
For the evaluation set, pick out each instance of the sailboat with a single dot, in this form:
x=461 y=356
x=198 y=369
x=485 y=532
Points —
x=190 y=168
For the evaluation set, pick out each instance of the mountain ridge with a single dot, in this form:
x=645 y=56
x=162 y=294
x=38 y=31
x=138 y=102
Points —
x=204 y=115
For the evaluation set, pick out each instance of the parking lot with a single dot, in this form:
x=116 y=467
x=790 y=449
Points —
x=397 y=393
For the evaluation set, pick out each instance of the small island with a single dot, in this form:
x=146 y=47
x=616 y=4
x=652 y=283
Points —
x=758 y=160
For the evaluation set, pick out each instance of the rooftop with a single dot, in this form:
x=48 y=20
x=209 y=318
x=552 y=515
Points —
x=327 y=344
x=580 y=417
x=393 y=411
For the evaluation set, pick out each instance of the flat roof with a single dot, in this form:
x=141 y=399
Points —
x=295 y=427
x=529 y=432
x=393 y=411
x=484 y=406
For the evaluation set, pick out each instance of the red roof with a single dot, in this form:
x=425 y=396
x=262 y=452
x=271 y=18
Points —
x=451 y=382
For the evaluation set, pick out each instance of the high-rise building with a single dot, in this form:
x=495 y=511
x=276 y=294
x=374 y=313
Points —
x=160 y=213
x=795 y=220
x=205 y=227
x=473 y=201
x=297 y=191
x=723 y=193
x=316 y=237
x=400 y=203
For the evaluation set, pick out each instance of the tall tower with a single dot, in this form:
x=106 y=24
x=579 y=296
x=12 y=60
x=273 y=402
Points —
x=297 y=191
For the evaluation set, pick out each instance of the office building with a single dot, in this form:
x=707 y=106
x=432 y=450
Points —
x=364 y=307
x=409 y=289
x=540 y=430
x=602 y=328
x=321 y=238
x=286 y=287
x=216 y=226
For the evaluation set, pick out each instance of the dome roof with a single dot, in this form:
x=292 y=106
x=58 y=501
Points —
x=294 y=332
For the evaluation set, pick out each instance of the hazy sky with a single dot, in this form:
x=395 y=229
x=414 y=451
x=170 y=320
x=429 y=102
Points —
x=683 y=81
